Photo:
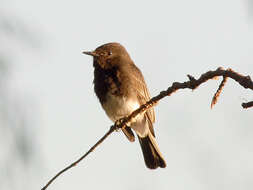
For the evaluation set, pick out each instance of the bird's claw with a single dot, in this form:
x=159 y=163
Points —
x=118 y=124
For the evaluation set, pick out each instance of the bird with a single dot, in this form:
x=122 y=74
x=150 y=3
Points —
x=121 y=89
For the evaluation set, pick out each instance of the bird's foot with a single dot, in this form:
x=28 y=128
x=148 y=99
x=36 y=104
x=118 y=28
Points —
x=118 y=124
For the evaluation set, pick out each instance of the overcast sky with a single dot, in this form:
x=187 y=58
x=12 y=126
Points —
x=203 y=148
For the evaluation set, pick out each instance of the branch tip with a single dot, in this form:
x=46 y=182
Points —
x=246 y=105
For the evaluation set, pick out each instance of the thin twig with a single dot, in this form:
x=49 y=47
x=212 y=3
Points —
x=247 y=105
x=217 y=94
x=192 y=83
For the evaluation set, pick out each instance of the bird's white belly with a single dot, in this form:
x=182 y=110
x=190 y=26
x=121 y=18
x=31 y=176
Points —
x=118 y=107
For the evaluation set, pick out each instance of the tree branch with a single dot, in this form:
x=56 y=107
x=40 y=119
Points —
x=192 y=83
x=247 y=104
x=217 y=94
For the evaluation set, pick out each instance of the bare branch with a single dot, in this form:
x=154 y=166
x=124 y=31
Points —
x=247 y=104
x=192 y=83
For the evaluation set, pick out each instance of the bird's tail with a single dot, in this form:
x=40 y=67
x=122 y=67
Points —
x=151 y=153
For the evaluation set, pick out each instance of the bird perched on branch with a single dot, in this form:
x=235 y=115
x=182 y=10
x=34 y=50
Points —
x=121 y=89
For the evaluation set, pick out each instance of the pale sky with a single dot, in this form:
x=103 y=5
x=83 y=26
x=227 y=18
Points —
x=203 y=148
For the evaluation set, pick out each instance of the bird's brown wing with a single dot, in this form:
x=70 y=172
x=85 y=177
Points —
x=143 y=95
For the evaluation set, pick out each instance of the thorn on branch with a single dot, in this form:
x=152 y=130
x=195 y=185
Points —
x=192 y=82
x=191 y=78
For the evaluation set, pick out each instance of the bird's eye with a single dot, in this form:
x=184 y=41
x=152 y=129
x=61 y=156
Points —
x=109 y=53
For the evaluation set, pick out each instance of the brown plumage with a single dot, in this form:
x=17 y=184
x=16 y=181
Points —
x=121 y=89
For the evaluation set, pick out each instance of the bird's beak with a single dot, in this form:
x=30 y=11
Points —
x=91 y=53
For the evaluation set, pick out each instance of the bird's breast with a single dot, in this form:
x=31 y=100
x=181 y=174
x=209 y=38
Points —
x=117 y=107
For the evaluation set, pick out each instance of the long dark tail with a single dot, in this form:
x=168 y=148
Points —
x=151 y=153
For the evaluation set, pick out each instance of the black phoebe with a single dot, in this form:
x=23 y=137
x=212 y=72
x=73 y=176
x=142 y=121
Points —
x=121 y=89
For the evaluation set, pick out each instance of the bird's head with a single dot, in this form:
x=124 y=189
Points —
x=109 y=55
